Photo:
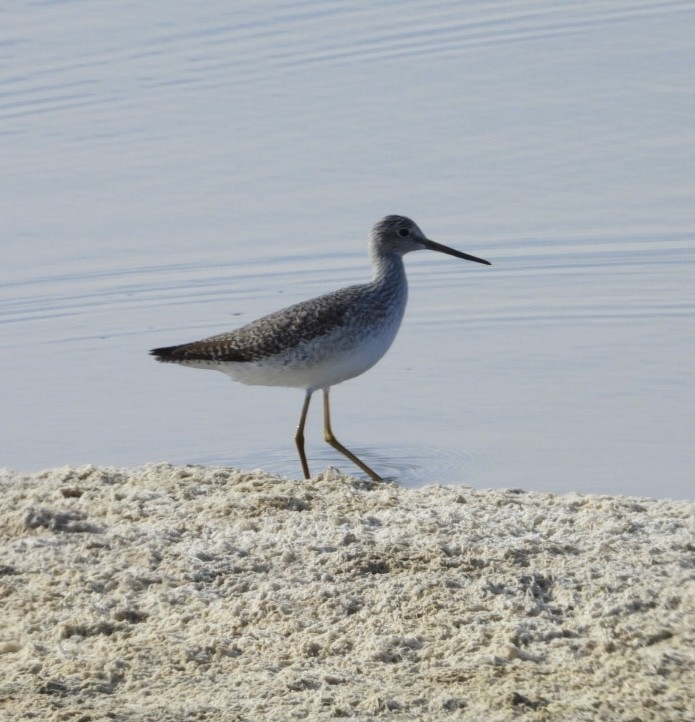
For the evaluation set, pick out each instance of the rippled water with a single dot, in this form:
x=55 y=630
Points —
x=168 y=175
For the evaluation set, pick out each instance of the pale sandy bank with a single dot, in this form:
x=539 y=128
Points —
x=164 y=593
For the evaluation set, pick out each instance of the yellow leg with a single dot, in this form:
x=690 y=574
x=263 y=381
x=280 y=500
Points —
x=299 y=436
x=328 y=436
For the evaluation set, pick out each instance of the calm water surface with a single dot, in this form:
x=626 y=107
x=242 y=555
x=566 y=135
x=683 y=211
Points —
x=172 y=173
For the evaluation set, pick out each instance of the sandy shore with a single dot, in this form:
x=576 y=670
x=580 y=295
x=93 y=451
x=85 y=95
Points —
x=166 y=593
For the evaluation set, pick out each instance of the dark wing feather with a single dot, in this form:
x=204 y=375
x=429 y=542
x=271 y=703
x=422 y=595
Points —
x=269 y=335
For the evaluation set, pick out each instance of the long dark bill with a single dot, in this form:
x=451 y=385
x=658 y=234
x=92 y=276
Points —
x=452 y=252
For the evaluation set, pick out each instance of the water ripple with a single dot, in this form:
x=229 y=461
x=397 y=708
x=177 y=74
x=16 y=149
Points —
x=410 y=465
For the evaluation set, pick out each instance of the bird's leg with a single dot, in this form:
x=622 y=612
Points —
x=328 y=436
x=299 y=436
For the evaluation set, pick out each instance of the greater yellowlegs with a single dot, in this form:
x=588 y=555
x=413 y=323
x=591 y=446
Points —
x=318 y=343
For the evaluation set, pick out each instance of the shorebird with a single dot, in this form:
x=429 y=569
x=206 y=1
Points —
x=321 y=342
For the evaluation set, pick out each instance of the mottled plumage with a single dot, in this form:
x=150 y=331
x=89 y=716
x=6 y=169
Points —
x=284 y=330
x=318 y=343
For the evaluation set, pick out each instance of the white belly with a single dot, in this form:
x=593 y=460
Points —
x=323 y=362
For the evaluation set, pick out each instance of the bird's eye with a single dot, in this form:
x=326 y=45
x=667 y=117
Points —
x=403 y=232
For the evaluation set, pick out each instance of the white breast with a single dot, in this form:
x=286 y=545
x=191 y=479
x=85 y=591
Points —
x=323 y=362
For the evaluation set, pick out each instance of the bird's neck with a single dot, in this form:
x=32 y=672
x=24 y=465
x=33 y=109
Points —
x=389 y=281
x=388 y=269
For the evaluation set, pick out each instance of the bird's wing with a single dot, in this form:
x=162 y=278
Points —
x=269 y=335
